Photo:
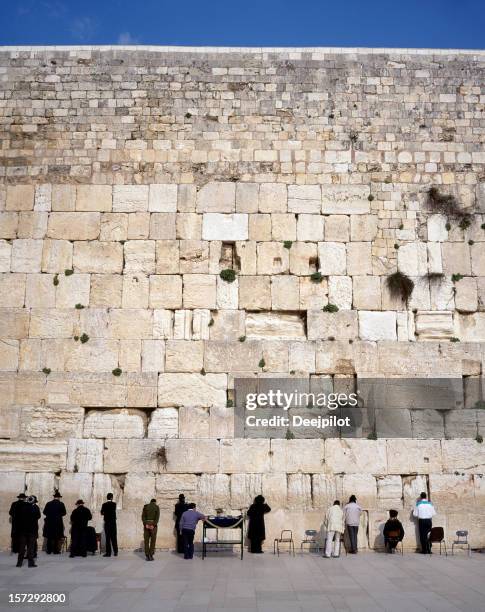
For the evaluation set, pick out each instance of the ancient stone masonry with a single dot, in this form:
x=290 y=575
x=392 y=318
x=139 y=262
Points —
x=346 y=192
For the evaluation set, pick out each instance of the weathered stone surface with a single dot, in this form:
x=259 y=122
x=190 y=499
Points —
x=199 y=291
x=434 y=325
x=247 y=456
x=340 y=325
x=273 y=198
x=114 y=424
x=216 y=226
x=340 y=292
x=232 y=356
x=332 y=258
x=94 y=198
x=356 y=456
x=345 y=199
x=377 y=325
x=74 y=225
x=192 y=389
x=85 y=455
x=274 y=325
x=470 y=327
x=162 y=198
x=217 y=198
x=130 y=198
x=304 y=198
x=164 y=423
x=32 y=457
x=414 y=457
x=57 y=422
x=463 y=455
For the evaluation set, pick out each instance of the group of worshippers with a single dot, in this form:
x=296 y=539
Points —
x=25 y=514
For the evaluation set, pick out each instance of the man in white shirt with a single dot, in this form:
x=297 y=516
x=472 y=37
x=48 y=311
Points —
x=352 y=512
x=424 y=512
x=334 y=525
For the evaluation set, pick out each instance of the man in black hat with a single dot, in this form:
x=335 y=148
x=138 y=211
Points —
x=108 y=510
x=21 y=497
x=53 y=525
x=180 y=507
x=27 y=518
x=80 y=517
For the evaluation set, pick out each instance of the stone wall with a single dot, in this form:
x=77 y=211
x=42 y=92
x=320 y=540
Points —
x=131 y=178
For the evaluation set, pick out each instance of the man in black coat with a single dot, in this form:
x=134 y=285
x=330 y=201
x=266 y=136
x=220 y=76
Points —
x=80 y=517
x=13 y=520
x=27 y=519
x=256 y=530
x=53 y=524
x=180 y=507
x=108 y=510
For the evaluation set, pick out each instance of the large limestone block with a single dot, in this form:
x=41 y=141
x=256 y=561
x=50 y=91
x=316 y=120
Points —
x=131 y=455
x=376 y=326
x=135 y=291
x=275 y=488
x=303 y=258
x=184 y=356
x=232 y=356
x=442 y=294
x=359 y=260
x=324 y=490
x=139 y=256
x=74 y=487
x=355 y=456
x=26 y=256
x=470 y=327
x=32 y=457
x=5 y=256
x=94 y=198
x=463 y=456
x=301 y=357
x=255 y=292
x=332 y=258
x=227 y=294
x=50 y=323
x=40 y=291
x=221 y=422
x=63 y=198
x=152 y=355
x=456 y=258
x=313 y=296
x=73 y=290
x=11 y=484
x=192 y=389
x=414 y=456
x=273 y=198
x=309 y=228
x=285 y=293
x=106 y=290
x=169 y=486
x=20 y=197
x=299 y=492
x=246 y=254
x=437 y=231
x=304 y=198
x=204 y=456
x=412 y=486
x=98 y=257
x=477 y=251
x=340 y=291
x=298 y=456
x=213 y=492
x=337 y=228
x=165 y=291
x=114 y=424
x=245 y=487
x=217 y=197
x=130 y=324
x=139 y=225
x=162 y=226
x=434 y=325
x=366 y=292
x=130 y=198
x=244 y=455
x=43 y=197
x=9 y=355
x=435 y=261
x=273 y=258
x=389 y=492
x=274 y=325
x=56 y=421
x=452 y=491
x=283 y=226
x=32 y=224
x=9 y=414
x=363 y=227
x=85 y=455
x=74 y=225
x=199 y=291
x=216 y=226
x=162 y=198
x=412 y=259
x=363 y=486
x=56 y=256
x=247 y=197
x=228 y=325
x=8 y=225
x=345 y=199
x=466 y=294
x=189 y=226
x=164 y=423
x=114 y=227
x=194 y=257
x=340 y=325
x=42 y=485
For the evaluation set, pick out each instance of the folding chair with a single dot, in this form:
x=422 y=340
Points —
x=284 y=539
x=462 y=540
x=437 y=535
x=310 y=539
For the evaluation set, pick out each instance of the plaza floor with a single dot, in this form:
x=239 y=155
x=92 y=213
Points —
x=364 y=582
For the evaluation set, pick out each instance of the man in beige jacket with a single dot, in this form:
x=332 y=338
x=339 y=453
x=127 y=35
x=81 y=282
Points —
x=334 y=526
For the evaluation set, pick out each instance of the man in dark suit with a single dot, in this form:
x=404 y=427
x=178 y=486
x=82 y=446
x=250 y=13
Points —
x=108 y=510
x=54 y=526
x=21 y=497
x=80 y=517
x=27 y=517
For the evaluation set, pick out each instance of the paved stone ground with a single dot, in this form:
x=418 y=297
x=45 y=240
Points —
x=365 y=582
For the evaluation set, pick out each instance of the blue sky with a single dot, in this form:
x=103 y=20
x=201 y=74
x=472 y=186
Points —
x=369 y=23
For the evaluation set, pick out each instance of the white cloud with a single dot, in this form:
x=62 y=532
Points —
x=83 y=28
x=125 y=38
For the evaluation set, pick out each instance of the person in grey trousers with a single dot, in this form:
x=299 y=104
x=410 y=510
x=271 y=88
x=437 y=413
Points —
x=352 y=512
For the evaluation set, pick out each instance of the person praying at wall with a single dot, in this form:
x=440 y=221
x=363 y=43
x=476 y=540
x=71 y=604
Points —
x=393 y=531
x=150 y=517
x=352 y=512
x=188 y=524
x=334 y=526
x=108 y=510
x=53 y=525
x=180 y=507
x=80 y=517
x=28 y=515
x=424 y=512
x=13 y=513
x=256 y=529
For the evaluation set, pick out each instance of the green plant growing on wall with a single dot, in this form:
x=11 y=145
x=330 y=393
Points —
x=79 y=306
x=55 y=280
x=316 y=277
x=117 y=372
x=448 y=226
x=287 y=244
x=372 y=436
x=228 y=275
x=370 y=197
x=242 y=338
x=465 y=222
x=400 y=285
x=211 y=322
x=471 y=242
x=479 y=439
x=289 y=434
x=84 y=338
x=76 y=338
x=68 y=272
x=46 y=371
x=203 y=372
x=456 y=277
x=454 y=339
x=229 y=403
x=162 y=457
x=330 y=308
x=435 y=276
x=261 y=363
